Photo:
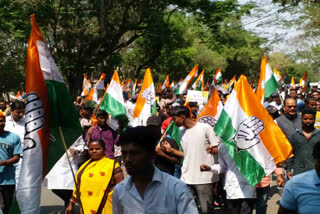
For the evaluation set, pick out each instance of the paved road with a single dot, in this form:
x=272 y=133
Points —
x=52 y=204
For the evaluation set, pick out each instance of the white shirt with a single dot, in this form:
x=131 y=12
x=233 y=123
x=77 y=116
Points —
x=194 y=142
x=278 y=107
x=16 y=127
x=236 y=185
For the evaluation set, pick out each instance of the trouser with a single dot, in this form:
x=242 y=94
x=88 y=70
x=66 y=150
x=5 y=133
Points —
x=240 y=206
x=17 y=167
x=204 y=192
x=64 y=194
x=262 y=199
x=6 y=197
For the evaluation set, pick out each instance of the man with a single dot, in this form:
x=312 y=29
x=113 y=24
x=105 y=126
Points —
x=317 y=123
x=15 y=123
x=147 y=189
x=315 y=94
x=3 y=108
x=10 y=150
x=302 y=142
x=311 y=103
x=103 y=132
x=276 y=102
x=195 y=137
x=302 y=193
x=290 y=120
x=293 y=93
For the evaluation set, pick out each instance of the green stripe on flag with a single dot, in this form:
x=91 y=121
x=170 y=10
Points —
x=270 y=86
x=174 y=132
x=220 y=128
x=113 y=107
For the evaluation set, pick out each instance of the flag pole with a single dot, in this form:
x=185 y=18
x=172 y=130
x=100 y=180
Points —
x=72 y=172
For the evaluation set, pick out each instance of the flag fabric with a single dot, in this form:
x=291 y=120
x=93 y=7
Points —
x=113 y=102
x=19 y=95
x=174 y=133
x=183 y=86
x=159 y=90
x=217 y=78
x=292 y=84
x=306 y=85
x=165 y=83
x=133 y=90
x=212 y=110
x=49 y=106
x=86 y=88
x=276 y=75
x=231 y=82
x=301 y=82
x=84 y=80
x=146 y=99
x=127 y=84
x=171 y=85
x=99 y=85
x=198 y=85
x=252 y=138
x=267 y=84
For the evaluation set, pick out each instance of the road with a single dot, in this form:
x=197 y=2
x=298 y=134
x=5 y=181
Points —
x=52 y=204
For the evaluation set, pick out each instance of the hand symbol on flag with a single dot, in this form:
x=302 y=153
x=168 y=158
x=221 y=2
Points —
x=248 y=133
x=148 y=95
x=208 y=119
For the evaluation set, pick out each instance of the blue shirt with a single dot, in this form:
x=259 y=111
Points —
x=302 y=193
x=9 y=146
x=165 y=194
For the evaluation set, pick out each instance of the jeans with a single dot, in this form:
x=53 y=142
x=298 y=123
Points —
x=6 y=197
x=240 y=206
x=262 y=199
x=204 y=193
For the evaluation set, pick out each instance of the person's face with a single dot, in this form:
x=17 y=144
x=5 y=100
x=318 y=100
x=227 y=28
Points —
x=102 y=121
x=178 y=120
x=96 y=151
x=315 y=95
x=290 y=107
x=318 y=105
x=293 y=93
x=307 y=120
x=277 y=100
x=136 y=159
x=184 y=97
x=169 y=110
x=17 y=114
x=312 y=104
x=2 y=123
x=3 y=105
x=84 y=113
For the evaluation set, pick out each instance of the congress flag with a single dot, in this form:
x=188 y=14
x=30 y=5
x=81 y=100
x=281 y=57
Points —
x=49 y=107
x=166 y=83
x=198 y=85
x=183 y=86
x=253 y=140
x=99 y=85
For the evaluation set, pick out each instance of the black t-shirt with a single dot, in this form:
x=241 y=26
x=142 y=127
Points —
x=164 y=164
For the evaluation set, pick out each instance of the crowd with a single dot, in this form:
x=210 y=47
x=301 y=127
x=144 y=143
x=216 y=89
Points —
x=194 y=175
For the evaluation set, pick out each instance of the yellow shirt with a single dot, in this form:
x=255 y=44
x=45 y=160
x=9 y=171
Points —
x=317 y=123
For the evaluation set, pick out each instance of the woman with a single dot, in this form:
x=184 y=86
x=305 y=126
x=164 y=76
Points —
x=95 y=181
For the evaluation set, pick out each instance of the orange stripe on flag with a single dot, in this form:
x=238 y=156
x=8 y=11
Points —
x=272 y=137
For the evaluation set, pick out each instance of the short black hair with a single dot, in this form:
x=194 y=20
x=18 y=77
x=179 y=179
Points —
x=86 y=107
x=308 y=111
x=309 y=99
x=193 y=104
x=142 y=136
x=181 y=110
x=316 y=151
x=98 y=141
x=102 y=113
x=17 y=104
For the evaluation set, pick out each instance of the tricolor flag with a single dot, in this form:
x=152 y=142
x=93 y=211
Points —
x=171 y=84
x=49 y=107
x=212 y=110
x=99 y=85
x=158 y=90
x=133 y=90
x=306 y=85
x=113 y=102
x=183 y=86
x=292 y=84
x=231 y=82
x=267 y=84
x=276 y=75
x=146 y=100
x=127 y=84
x=165 y=83
x=84 y=81
x=19 y=95
x=198 y=85
x=253 y=140
x=86 y=88
x=174 y=132
x=217 y=78
x=301 y=82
